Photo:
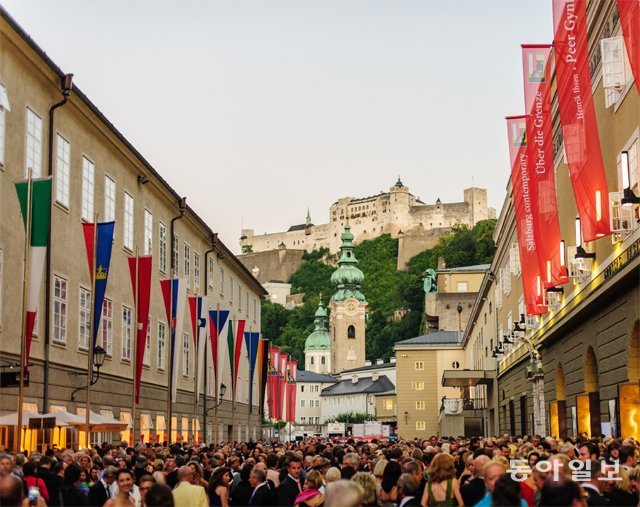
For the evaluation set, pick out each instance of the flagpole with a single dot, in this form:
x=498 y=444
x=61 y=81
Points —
x=215 y=374
x=249 y=385
x=23 y=334
x=196 y=355
x=135 y=354
x=234 y=376
x=91 y=324
x=170 y=350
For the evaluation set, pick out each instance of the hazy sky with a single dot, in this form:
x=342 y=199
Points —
x=256 y=110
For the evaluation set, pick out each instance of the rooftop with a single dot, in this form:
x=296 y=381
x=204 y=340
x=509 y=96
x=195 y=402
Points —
x=362 y=386
x=299 y=227
x=434 y=339
x=476 y=267
x=371 y=367
x=310 y=376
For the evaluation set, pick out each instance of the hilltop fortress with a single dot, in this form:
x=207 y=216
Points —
x=397 y=212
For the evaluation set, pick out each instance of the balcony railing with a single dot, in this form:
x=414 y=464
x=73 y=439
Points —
x=458 y=405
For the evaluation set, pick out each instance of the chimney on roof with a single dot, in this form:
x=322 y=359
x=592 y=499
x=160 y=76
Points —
x=393 y=360
x=354 y=379
x=367 y=362
x=379 y=361
x=375 y=376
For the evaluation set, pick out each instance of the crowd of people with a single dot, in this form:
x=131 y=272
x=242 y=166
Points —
x=439 y=472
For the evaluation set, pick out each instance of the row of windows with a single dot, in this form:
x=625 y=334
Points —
x=312 y=388
x=312 y=403
x=105 y=331
x=312 y=420
x=63 y=197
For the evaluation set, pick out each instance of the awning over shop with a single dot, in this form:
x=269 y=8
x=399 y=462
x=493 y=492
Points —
x=464 y=378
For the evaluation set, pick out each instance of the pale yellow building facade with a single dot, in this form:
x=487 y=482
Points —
x=97 y=172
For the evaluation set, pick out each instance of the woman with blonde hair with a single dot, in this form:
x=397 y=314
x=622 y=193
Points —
x=332 y=475
x=368 y=483
x=311 y=496
x=443 y=489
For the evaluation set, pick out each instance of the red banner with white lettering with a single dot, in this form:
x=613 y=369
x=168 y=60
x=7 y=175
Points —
x=629 y=11
x=578 y=117
x=140 y=271
x=539 y=150
x=524 y=199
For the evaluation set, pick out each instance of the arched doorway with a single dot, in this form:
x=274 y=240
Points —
x=558 y=408
x=629 y=393
x=588 y=404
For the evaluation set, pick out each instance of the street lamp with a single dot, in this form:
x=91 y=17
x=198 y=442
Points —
x=223 y=389
x=99 y=355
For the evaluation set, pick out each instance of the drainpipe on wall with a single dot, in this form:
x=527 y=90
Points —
x=214 y=241
x=66 y=83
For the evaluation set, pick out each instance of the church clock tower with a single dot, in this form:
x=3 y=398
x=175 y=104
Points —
x=348 y=308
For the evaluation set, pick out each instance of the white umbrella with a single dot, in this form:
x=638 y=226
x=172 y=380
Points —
x=99 y=423
x=12 y=419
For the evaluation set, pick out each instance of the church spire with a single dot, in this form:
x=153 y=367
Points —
x=348 y=278
x=308 y=219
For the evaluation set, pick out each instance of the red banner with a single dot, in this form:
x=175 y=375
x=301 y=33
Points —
x=140 y=271
x=629 y=11
x=536 y=66
x=237 y=352
x=578 y=117
x=292 y=368
x=524 y=206
x=282 y=381
x=272 y=380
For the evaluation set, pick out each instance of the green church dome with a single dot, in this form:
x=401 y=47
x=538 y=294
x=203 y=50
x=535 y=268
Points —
x=319 y=339
x=348 y=278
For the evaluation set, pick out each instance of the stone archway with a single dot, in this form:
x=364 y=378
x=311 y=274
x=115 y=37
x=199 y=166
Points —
x=634 y=353
x=558 y=408
x=588 y=404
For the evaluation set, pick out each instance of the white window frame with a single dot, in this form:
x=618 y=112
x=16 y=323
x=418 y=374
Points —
x=109 y=199
x=63 y=170
x=239 y=297
x=162 y=247
x=421 y=426
x=148 y=232
x=211 y=267
x=88 y=188
x=417 y=385
x=222 y=282
x=84 y=318
x=128 y=225
x=2 y=127
x=127 y=332
x=162 y=345
x=196 y=270
x=146 y=358
x=231 y=290
x=420 y=405
x=419 y=365
x=33 y=144
x=187 y=262
x=185 y=354
x=106 y=326
x=175 y=253
x=60 y=305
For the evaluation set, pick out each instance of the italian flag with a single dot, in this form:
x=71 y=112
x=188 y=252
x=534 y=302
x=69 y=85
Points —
x=40 y=218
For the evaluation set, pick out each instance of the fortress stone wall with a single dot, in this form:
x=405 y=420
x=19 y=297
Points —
x=397 y=212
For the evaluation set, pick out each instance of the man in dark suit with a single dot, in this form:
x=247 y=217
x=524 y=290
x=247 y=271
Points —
x=474 y=490
x=99 y=492
x=290 y=487
x=592 y=486
x=262 y=493
x=49 y=479
x=407 y=490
